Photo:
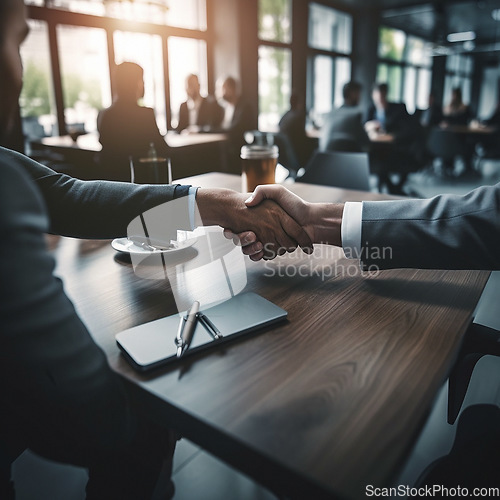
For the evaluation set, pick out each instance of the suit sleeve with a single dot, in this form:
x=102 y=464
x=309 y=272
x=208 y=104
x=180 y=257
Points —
x=183 y=117
x=445 y=232
x=54 y=377
x=92 y=209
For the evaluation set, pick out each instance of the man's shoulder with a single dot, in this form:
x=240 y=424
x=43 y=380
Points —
x=17 y=190
x=12 y=166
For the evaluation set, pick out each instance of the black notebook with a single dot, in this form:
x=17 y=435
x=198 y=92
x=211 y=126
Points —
x=153 y=344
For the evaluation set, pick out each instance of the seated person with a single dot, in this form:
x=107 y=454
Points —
x=58 y=394
x=343 y=129
x=198 y=113
x=127 y=129
x=456 y=112
x=432 y=116
x=293 y=126
x=384 y=116
x=239 y=117
x=402 y=154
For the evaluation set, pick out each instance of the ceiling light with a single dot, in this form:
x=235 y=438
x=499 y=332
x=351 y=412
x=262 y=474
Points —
x=463 y=36
x=495 y=14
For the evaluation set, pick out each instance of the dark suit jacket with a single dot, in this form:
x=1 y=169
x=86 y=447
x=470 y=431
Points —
x=395 y=115
x=210 y=115
x=55 y=381
x=445 y=232
x=343 y=123
x=429 y=117
x=244 y=119
x=293 y=126
x=126 y=129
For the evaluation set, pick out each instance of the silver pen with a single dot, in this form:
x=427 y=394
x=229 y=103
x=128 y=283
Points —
x=178 y=338
x=209 y=326
x=186 y=332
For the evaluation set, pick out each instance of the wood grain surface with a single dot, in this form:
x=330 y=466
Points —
x=317 y=407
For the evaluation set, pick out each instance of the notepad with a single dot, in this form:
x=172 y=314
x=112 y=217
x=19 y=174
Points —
x=152 y=344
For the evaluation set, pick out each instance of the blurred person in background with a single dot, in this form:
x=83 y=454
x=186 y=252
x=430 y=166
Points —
x=126 y=129
x=198 y=113
x=293 y=126
x=239 y=117
x=456 y=112
x=343 y=129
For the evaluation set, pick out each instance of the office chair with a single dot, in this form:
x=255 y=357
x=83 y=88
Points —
x=488 y=149
x=343 y=144
x=339 y=169
x=446 y=145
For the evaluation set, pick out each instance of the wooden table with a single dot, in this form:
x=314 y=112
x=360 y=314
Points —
x=468 y=130
x=381 y=138
x=191 y=154
x=319 y=406
x=90 y=142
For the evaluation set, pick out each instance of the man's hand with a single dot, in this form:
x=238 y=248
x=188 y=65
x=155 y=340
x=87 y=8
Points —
x=321 y=221
x=274 y=230
x=296 y=207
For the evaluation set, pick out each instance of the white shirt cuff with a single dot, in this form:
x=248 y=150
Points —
x=192 y=206
x=351 y=229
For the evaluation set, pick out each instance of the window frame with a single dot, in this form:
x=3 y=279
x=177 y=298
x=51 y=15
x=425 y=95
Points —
x=54 y=17
x=313 y=52
x=276 y=45
x=462 y=75
x=404 y=65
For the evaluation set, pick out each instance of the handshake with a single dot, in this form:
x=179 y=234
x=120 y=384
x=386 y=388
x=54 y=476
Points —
x=272 y=221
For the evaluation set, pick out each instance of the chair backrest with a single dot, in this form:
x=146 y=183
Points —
x=444 y=144
x=344 y=144
x=339 y=169
x=287 y=156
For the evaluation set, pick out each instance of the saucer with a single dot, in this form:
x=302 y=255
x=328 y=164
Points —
x=127 y=246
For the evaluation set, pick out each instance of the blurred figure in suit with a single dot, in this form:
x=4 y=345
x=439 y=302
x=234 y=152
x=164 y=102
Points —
x=401 y=155
x=239 y=117
x=293 y=126
x=384 y=116
x=456 y=112
x=432 y=116
x=127 y=129
x=343 y=129
x=198 y=113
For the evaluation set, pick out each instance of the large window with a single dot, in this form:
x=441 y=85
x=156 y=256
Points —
x=145 y=50
x=180 y=13
x=274 y=85
x=85 y=75
x=275 y=20
x=186 y=56
x=404 y=64
x=329 y=65
x=458 y=74
x=37 y=98
x=329 y=29
x=275 y=61
x=65 y=88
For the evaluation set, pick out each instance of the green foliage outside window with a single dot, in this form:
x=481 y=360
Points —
x=76 y=89
x=35 y=97
x=274 y=20
x=391 y=44
x=275 y=25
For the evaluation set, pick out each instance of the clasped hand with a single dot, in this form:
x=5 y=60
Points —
x=304 y=223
